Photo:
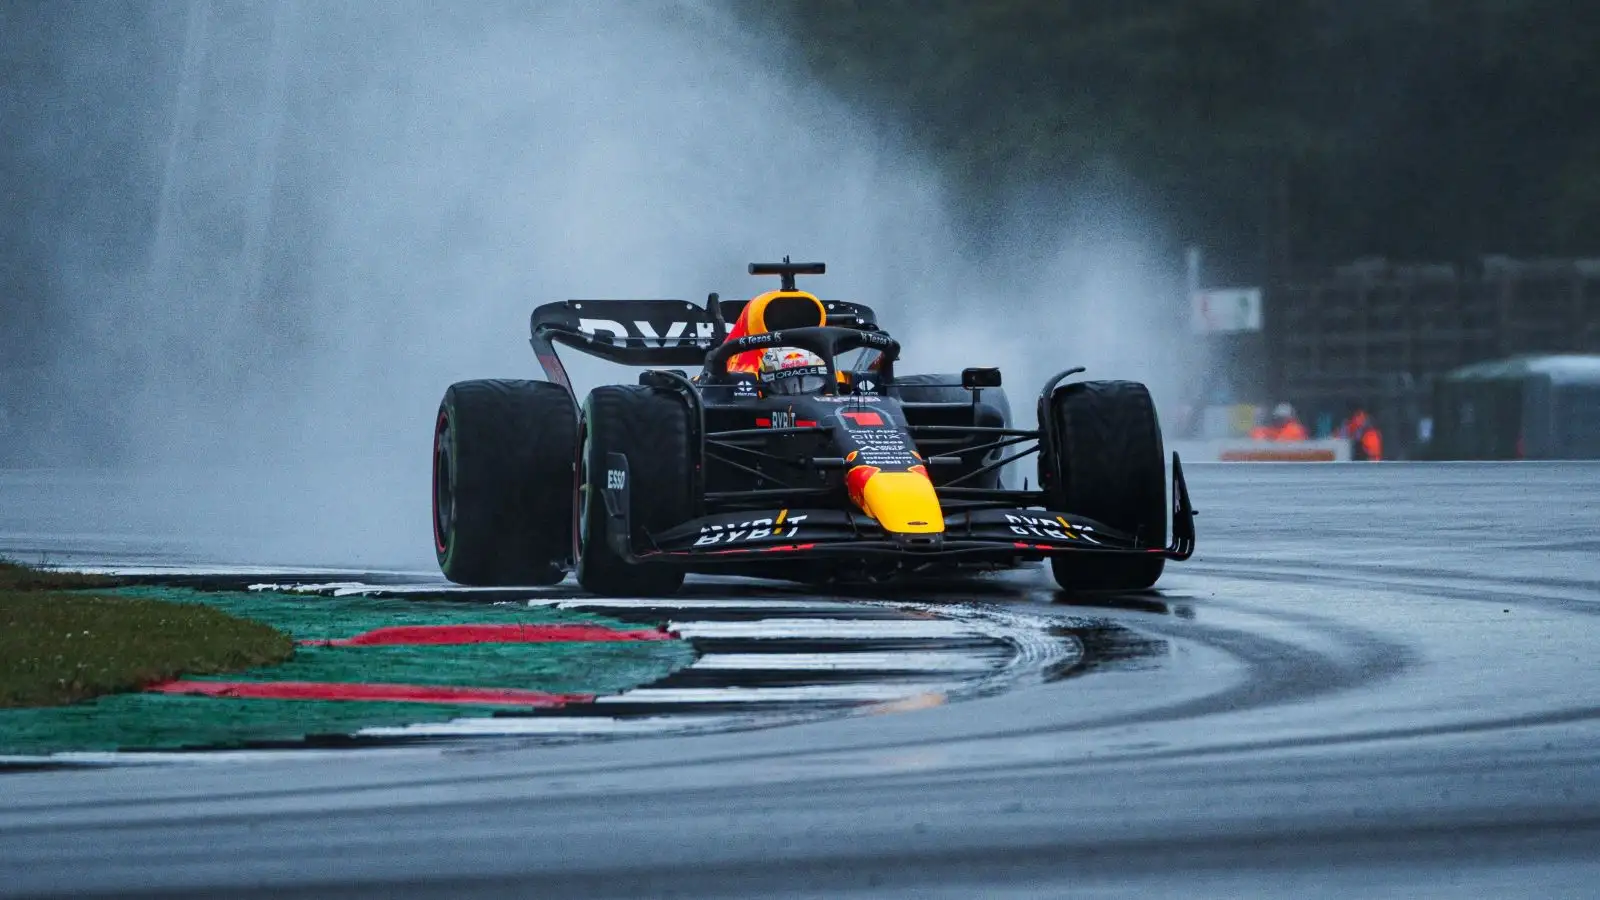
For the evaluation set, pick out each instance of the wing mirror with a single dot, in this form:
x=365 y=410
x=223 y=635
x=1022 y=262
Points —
x=978 y=378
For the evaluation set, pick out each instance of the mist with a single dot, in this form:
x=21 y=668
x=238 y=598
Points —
x=349 y=206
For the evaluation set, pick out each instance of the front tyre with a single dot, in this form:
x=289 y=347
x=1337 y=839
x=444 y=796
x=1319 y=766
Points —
x=1109 y=466
x=502 y=482
x=652 y=429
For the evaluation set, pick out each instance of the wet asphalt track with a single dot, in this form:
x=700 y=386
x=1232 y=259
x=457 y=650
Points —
x=1371 y=681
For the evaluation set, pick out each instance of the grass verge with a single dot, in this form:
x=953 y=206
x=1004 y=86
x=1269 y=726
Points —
x=138 y=721
x=58 y=647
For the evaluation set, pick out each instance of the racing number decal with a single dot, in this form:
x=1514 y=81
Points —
x=863 y=418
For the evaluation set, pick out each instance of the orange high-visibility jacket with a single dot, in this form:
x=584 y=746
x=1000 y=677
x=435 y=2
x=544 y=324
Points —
x=1368 y=442
x=1291 y=430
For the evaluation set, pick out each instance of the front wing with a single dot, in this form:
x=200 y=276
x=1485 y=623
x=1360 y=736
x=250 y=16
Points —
x=743 y=536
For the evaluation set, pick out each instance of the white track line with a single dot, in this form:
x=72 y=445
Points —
x=240 y=571
x=863 y=629
x=689 y=603
x=910 y=661
x=203 y=757
x=358 y=588
x=302 y=588
x=794 y=694
x=574 y=725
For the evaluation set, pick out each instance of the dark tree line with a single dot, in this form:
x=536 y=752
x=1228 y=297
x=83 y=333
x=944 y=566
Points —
x=1284 y=135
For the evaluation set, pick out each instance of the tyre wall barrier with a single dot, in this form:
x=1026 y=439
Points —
x=1246 y=450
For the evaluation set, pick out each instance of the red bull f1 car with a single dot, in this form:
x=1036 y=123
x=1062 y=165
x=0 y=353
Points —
x=828 y=466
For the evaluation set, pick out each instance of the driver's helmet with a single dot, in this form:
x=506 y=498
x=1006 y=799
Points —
x=791 y=370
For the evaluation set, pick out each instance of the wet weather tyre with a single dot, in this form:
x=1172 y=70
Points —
x=502 y=482
x=652 y=429
x=1110 y=467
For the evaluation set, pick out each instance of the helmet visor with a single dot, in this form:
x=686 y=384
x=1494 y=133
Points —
x=797 y=384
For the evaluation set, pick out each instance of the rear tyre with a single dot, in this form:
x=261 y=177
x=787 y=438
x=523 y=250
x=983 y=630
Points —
x=651 y=428
x=1110 y=467
x=994 y=411
x=948 y=389
x=502 y=482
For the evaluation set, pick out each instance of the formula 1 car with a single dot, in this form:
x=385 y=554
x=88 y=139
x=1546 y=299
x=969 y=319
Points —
x=868 y=476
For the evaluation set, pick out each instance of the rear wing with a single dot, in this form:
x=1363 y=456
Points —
x=654 y=333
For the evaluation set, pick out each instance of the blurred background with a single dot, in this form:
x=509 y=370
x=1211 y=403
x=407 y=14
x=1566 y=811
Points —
x=264 y=236
x=1364 y=197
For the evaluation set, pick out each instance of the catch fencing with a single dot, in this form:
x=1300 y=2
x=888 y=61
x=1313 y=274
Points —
x=1381 y=334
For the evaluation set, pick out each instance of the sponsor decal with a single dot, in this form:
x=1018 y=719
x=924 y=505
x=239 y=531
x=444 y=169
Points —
x=855 y=481
x=889 y=458
x=1031 y=526
x=795 y=370
x=745 y=389
x=557 y=373
x=644 y=334
x=863 y=418
x=879 y=445
x=616 y=479
x=878 y=436
x=782 y=526
x=783 y=420
x=847 y=399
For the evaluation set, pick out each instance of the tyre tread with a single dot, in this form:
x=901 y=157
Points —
x=1110 y=468
x=514 y=446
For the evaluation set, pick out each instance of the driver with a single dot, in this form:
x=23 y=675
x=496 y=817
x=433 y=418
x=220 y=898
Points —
x=791 y=370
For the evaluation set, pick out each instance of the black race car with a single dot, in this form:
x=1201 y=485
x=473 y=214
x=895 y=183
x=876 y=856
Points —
x=862 y=474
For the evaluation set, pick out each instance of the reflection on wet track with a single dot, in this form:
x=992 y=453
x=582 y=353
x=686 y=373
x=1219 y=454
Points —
x=1372 y=680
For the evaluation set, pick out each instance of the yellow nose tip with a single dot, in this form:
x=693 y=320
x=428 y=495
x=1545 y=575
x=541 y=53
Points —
x=902 y=502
